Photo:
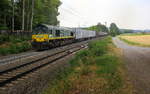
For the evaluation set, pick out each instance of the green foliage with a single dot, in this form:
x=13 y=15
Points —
x=45 y=11
x=99 y=28
x=13 y=39
x=4 y=51
x=3 y=27
x=3 y=38
x=14 y=44
x=5 y=14
x=114 y=30
x=126 y=31
x=97 y=48
x=107 y=64
x=15 y=48
x=107 y=68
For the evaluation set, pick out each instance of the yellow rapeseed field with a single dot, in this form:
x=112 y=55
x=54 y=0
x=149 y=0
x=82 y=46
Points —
x=139 y=39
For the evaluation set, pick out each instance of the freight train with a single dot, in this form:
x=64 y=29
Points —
x=47 y=36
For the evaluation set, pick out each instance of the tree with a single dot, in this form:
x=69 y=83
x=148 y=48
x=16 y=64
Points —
x=99 y=28
x=32 y=11
x=23 y=10
x=5 y=14
x=102 y=27
x=50 y=13
x=114 y=30
x=13 y=14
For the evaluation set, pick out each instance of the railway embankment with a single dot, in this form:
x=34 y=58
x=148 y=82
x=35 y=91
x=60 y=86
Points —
x=96 y=70
x=34 y=82
x=31 y=74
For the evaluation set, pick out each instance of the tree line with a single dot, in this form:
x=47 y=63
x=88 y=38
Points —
x=99 y=28
x=25 y=14
x=112 y=30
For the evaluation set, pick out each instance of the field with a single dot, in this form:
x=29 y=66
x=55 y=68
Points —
x=97 y=70
x=140 y=40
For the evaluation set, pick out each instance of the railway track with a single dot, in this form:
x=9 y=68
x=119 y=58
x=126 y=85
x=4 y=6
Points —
x=14 y=58
x=10 y=59
x=12 y=74
x=18 y=57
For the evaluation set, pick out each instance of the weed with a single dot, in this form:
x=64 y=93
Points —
x=15 y=48
x=107 y=64
x=92 y=71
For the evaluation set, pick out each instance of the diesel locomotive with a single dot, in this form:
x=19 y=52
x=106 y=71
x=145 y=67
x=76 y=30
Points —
x=47 y=36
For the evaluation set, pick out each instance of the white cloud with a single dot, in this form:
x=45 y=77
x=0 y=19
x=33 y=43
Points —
x=125 y=13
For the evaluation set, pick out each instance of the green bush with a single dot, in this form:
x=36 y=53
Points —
x=4 y=38
x=107 y=64
x=13 y=38
x=98 y=48
x=16 y=44
x=3 y=28
x=98 y=55
x=4 y=51
x=16 y=48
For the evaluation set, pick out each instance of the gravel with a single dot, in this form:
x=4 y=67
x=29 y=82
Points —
x=137 y=61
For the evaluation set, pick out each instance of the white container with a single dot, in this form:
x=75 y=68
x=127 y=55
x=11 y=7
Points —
x=81 y=34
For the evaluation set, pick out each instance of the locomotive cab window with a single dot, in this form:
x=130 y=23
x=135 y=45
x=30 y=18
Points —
x=40 y=30
x=57 y=33
x=72 y=34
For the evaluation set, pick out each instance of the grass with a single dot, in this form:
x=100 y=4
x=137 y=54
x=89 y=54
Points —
x=15 y=48
x=13 y=44
x=13 y=38
x=138 y=40
x=97 y=70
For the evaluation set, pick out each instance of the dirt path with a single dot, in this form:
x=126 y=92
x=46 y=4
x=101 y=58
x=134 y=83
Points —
x=137 y=61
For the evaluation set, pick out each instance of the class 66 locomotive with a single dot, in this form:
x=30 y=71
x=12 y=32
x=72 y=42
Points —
x=47 y=36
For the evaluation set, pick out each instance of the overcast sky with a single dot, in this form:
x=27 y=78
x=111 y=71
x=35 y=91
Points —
x=130 y=14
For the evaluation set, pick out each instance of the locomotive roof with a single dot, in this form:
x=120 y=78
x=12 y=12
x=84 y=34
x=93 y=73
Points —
x=63 y=28
x=55 y=27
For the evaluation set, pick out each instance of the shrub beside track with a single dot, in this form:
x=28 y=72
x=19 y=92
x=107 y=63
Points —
x=97 y=70
x=11 y=44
